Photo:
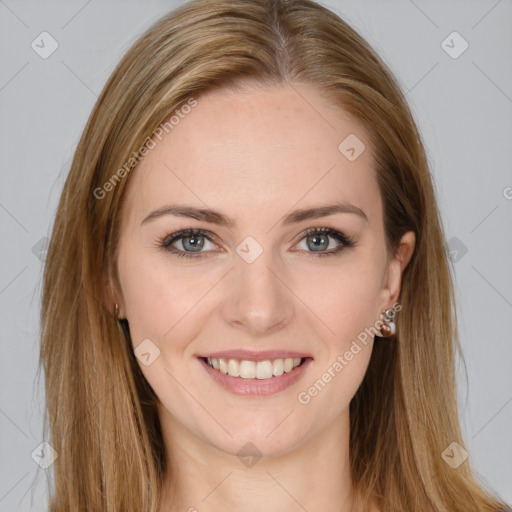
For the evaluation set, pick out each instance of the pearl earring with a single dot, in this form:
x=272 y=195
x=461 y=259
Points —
x=389 y=327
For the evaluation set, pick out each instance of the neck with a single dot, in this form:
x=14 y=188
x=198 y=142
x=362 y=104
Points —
x=310 y=476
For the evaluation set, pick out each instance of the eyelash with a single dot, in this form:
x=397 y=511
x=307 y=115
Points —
x=345 y=241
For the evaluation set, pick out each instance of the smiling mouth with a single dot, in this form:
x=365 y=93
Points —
x=246 y=369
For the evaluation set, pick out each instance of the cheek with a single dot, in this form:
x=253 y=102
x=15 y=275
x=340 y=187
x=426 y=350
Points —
x=345 y=300
x=347 y=308
x=155 y=296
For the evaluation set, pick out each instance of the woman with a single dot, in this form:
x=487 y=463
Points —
x=247 y=303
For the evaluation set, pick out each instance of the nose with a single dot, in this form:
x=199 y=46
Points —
x=257 y=298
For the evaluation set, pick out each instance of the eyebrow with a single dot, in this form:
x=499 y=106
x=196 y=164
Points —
x=215 y=217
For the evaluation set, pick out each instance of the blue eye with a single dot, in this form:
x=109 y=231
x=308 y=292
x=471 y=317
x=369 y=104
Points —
x=192 y=242
x=318 y=240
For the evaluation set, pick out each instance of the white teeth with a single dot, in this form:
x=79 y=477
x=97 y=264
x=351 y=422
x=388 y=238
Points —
x=264 y=369
x=233 y=368
x=223 y=365
x=254 y=369
x=278 y=367
x=247 y=369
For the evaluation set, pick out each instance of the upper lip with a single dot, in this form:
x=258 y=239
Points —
x=250 y=355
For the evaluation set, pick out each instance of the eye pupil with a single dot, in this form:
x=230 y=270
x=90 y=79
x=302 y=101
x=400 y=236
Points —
x=196 y=242
x=318 y=241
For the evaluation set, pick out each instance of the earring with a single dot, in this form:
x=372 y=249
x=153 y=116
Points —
x=389 y=327
x=116 y=311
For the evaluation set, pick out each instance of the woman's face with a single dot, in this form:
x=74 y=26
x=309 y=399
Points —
x=254 y=170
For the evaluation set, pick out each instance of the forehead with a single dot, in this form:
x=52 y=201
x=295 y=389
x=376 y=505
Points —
x=259 y=150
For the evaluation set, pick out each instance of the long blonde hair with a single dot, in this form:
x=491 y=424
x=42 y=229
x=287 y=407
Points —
x=101 y=411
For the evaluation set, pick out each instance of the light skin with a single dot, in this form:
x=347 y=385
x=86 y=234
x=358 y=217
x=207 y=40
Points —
x=256 y=155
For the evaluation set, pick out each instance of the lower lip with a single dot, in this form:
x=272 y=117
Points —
x=256 y=387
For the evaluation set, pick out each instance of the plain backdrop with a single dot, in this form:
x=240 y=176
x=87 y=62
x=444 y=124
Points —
x=460 y=96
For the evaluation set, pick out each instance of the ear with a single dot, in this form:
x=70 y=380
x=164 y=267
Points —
x=395 y=268
x=111 y=297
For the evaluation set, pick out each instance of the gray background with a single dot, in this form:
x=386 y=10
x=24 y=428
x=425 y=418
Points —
x=463 y=107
